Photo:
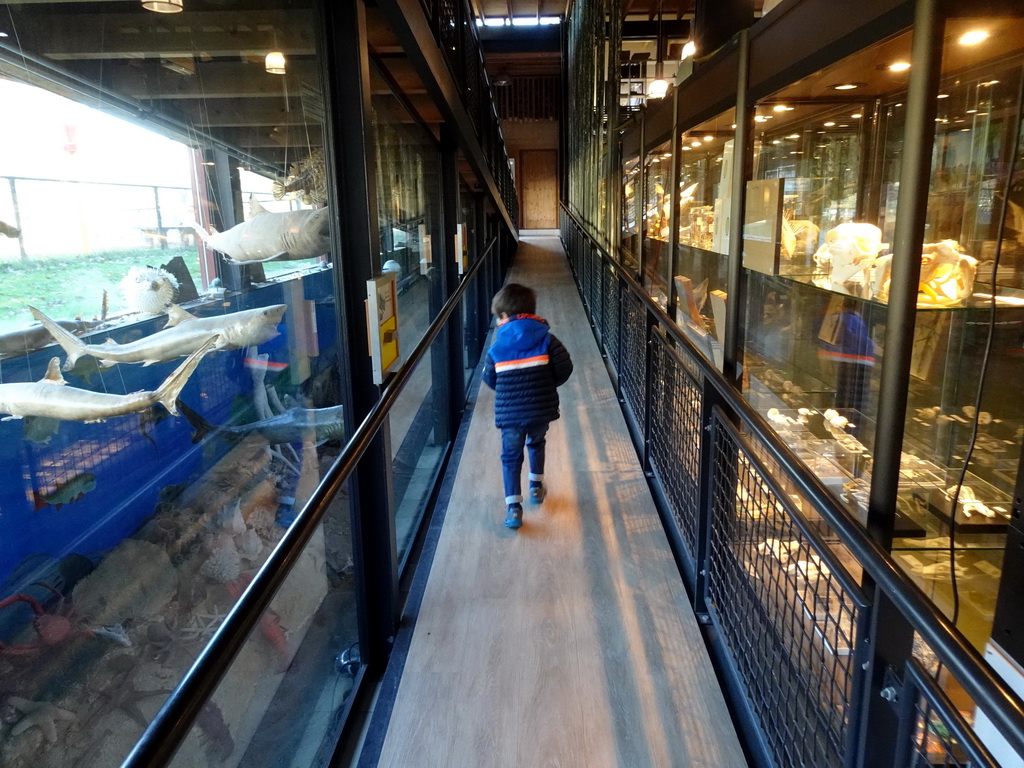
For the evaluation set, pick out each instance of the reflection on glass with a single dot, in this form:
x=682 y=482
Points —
x=970 y=311
x=168 y=218
x=700 y=271
x=631 y=212
x=657 y=214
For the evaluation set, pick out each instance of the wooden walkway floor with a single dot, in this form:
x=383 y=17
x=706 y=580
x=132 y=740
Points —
x=569 y=643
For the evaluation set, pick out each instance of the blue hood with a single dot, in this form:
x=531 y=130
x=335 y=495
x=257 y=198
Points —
x=522 y=332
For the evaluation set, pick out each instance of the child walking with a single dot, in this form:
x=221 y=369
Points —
x=524 y=367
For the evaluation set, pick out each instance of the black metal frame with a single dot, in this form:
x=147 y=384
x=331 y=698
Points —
x=780 y=475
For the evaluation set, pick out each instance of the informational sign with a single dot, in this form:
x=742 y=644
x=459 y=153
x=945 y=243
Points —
x=382 y=323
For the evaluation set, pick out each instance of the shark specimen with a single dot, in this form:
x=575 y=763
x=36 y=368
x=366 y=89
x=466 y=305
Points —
x=273 y=236
x=293 y=426
x=183 y=334
x=52 y=398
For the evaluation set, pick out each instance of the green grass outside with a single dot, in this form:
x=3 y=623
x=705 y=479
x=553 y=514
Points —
x=66 y=287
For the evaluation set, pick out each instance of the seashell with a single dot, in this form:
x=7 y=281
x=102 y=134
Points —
x=229 y=519
x=223 y=565
x=249 y=545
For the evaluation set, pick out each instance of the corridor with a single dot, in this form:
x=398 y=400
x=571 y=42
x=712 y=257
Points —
x=570 y=642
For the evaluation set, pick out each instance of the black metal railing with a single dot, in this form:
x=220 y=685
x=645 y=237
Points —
x=759 y=540
x=174 y=721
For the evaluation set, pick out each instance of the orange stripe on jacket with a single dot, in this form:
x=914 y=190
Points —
x=526 y=362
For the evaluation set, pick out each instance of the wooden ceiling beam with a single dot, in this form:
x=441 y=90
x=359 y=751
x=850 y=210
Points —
x=62 y=37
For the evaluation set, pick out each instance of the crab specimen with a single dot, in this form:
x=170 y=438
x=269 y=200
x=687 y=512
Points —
x=56 y=627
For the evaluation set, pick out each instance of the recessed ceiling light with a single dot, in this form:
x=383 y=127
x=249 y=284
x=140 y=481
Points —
x=829 y=124
x=759 y=118
x=856 y=115
x=990 y=82
x=942 y=96
x=709 y=138
x=686 y=149
x=971 y=111
x=793 y=136
x=782 y=108
x=3 y=34
x=973 y=37
x=776 y=141
x=899 y=66
x=734 y=126
x=846 y=86
x=695 y=143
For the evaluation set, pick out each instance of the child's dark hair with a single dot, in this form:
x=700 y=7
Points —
x=514 y=299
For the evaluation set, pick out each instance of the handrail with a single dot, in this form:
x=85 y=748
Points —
x=176 y=717
x=982 y=684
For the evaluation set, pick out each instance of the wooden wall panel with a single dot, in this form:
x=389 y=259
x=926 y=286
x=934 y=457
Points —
x=539 y=174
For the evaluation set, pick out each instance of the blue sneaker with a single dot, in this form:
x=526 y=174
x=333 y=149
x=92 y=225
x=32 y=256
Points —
x=538 y=492
x=514 y=516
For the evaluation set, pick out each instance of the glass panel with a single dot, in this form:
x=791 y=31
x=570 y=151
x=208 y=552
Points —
x=701 y=270
x=631 y=213
x=657 y=214
x=814 y=227
x=408 y=208
x=970 y=310
x=167 y=207
x=281 y=701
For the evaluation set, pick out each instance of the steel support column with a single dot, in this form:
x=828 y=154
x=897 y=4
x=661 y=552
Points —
x=349 y=134
x=742 y=169
x=450 y=270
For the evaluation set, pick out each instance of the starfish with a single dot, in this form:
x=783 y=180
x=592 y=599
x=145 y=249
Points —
x=124 y=696
x=41 y=714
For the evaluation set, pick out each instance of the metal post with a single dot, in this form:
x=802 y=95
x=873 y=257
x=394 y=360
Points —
x=675 y=169
x=456 y=384
x=17 y=218
x=350 y=144
x=742 y=169
x=911 y=211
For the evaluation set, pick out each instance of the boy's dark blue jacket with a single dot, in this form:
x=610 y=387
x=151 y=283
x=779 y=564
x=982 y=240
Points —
x=524 y=367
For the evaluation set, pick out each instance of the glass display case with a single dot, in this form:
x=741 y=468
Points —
x=167 y=255
x=818 y=233
x=657 y=215
x=632 y=212
x=700 y=269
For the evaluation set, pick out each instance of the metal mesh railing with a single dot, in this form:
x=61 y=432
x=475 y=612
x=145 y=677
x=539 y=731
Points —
x=633 y=374
x=610 y=320
x=939 y=735
x=675 y=435
x=789 y=614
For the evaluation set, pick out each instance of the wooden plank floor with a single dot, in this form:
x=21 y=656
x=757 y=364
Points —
x=569 y=643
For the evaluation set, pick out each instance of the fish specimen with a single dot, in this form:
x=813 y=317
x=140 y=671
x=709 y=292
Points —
x=26 y=340
x=148 y=289
x=183 y=335
x=8 y=230
x=51 y=397
x=273 y=236
x=309 y=177
x=66 y=493
x=292 y=426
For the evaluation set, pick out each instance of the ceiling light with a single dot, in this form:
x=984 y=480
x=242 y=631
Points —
x=782 y=108
x=942 y=96
x=846 y=86
x=829 y=124
x=776 y=141
x=973 y=37
x=689 y=49
x=208 y=162
x=990 y=82
x=856 y=115
x=793 y=136
x=899 y=66
x=734 y=126
x=164 y=6
x=760 y=118
x=971 y=111
x=686 y=149
x=709 y=138
x=657 y=89
x=275 y=63
x=694 y=143
x=3 y=34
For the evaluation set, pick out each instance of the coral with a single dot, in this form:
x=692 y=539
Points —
x=223 y=565
x=135 y=580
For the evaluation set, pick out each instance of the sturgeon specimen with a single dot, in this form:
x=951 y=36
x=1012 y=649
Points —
x=183 y=334
x=293 y=426
x=52 y=398
x=273 y=236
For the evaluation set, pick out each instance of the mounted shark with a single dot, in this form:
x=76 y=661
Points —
x=26 y=340
x=293 y=426
x=52 y=398
x=183 y=334
x=273 y=236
